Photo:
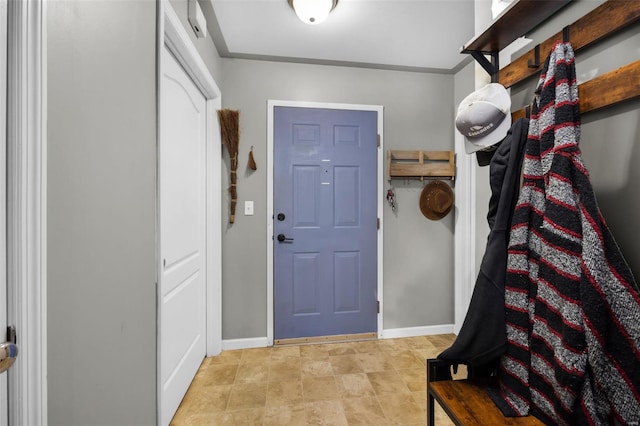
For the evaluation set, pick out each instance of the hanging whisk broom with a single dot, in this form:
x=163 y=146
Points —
x=230 y=133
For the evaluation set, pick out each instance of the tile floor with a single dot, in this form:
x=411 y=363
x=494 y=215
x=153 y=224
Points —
x=371 y=383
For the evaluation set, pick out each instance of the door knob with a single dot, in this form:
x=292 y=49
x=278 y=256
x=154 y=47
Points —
x=282 y=238
x=8 y=354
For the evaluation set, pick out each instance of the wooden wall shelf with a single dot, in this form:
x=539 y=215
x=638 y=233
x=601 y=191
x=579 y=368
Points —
x=421 y=165
x=603 y=21
x=516 y=20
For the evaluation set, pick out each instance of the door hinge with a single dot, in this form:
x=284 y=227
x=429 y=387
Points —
x=378 y=306
x=378 y=141
x=378 y=223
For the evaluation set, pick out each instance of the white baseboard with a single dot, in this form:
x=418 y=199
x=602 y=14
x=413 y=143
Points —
x=393 y=333
x=253 y=342
x=390 y=333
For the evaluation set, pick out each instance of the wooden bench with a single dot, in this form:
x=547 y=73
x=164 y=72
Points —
x=466 y=402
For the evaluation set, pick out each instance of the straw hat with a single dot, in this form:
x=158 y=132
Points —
x=436 y=200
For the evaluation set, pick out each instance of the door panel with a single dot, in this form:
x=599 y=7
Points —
x=182 y=233
x=325 y=170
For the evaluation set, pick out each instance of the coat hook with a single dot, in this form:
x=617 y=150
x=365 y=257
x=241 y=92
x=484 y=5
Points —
x=566 y=34
x=252 y=162
x=536 y=58
x=527 y=111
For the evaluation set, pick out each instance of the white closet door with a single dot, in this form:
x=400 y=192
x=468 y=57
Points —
x=182 y=234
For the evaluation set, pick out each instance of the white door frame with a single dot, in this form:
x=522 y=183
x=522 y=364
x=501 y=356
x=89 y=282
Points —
x=173 y=34
x=4 y=390
x=26 y=201
x=464 y=233
x=271 y=104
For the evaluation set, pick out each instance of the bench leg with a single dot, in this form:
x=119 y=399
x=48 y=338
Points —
x=436 y=370
x=430 y=410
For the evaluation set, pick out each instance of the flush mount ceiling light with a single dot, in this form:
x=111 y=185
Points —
x=312 y=12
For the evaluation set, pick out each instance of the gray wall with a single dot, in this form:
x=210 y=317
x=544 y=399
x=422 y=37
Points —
x=102 y=210
x=418 y=253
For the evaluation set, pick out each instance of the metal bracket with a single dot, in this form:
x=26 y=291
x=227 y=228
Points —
x=536 y=58
x=566 y=34
x=492 y=67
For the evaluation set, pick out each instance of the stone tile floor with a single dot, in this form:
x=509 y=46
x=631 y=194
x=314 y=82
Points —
x=380 y=382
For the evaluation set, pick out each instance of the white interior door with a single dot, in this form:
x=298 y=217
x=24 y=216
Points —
x=182 y=234
x=4 y=401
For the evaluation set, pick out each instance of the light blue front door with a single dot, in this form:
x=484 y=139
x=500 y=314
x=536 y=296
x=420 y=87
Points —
x=325 y=222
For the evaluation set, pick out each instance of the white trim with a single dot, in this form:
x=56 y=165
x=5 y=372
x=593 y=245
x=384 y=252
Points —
x=175 y=37
x=4 y=386
x=177 y=40
x=271 y=104
x=464 y=233
x=249 y=343
x=429 y=330
x=214 y=233
x=465 y=225
x=27 y=219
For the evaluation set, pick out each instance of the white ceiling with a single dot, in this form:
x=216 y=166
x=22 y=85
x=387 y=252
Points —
x=389 y=34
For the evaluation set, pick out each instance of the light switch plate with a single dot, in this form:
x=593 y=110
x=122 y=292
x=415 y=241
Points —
x=248 y=208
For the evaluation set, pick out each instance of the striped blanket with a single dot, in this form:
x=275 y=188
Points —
x=572 y=304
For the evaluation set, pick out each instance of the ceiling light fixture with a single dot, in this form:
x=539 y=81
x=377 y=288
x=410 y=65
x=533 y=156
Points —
x=312 y=12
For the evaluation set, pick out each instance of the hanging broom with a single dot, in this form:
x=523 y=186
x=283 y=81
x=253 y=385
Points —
x=229 y=130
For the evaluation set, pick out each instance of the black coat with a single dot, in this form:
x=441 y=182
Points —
x=482 y=338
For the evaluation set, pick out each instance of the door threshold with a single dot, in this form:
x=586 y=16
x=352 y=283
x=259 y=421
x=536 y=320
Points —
x=338 y=338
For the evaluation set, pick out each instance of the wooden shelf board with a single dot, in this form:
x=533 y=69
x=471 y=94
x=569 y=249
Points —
x=517 y=20
x=611 y=88
x=420 y=164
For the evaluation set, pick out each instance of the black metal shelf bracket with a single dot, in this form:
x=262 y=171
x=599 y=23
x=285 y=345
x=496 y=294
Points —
x=490 y=66
x=516 y=20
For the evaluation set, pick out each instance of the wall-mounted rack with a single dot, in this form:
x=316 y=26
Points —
x=603 y=21
x=421 y=165
x=619 y=85
x=516 y=20
x=608 y=89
